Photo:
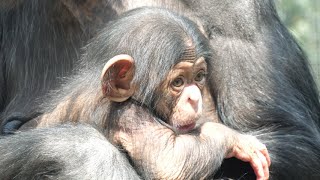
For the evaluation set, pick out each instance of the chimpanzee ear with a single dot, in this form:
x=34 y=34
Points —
x=116 y=78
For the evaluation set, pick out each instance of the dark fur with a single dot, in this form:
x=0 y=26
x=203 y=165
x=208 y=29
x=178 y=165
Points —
x=263 y=86
x=63 y=152
x=39 y=43
x=262 y=80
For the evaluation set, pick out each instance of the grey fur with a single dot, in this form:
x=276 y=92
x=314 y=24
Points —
x=62 y=153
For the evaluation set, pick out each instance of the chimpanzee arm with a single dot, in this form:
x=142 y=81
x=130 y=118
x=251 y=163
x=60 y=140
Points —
x=64 y=152
x=160 y=153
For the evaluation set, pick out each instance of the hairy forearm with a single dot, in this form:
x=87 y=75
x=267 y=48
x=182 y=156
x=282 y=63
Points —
x=162 y=154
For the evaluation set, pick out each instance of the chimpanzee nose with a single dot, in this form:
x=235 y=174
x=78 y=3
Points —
x=194 y=99
x=194 y=96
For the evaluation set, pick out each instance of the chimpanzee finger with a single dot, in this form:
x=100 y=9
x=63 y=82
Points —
x=257 y=166
x=263 y=149
x=264 y=162
x=266 y=155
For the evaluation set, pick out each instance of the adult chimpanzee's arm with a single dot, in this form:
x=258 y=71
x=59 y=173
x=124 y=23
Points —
x=63 y=152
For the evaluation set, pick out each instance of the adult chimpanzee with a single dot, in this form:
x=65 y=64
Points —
x=165 y=72
x=263 y=85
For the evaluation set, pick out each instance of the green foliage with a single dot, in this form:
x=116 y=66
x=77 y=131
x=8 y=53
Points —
x=302 y=17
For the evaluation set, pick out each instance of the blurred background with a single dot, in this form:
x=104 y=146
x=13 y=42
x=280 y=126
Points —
x=302 y=18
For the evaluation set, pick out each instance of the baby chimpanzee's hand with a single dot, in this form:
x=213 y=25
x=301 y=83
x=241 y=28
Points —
x=249 y=149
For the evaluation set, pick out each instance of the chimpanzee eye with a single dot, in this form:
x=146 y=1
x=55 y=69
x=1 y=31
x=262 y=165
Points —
x=200 y=76
x=178 y=82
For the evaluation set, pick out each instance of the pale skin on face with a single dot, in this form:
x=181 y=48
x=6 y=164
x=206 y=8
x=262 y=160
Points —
x=185 y=84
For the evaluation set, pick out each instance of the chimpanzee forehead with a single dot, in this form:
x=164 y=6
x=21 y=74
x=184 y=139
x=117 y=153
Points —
x=190 y=63
x=189 y=54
